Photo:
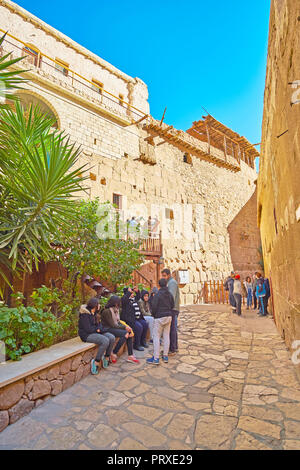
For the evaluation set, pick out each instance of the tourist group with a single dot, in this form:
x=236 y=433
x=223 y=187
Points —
x=255 y=289
x=129 y=318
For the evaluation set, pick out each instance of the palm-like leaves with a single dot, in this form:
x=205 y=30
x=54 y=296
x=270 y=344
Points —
x=9 y=79
x=38 y=181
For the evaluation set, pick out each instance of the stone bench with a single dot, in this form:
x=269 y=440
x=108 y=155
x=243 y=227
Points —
x=26 y=384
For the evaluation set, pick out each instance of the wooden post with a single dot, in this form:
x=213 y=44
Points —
x=205 y=293
x=208 y=138
x=215 y=297
x=225 y=148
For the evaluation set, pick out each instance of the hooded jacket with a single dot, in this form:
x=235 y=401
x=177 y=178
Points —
x=145 y=307
x=129 y=314
x=87 y=324
x=163 y=303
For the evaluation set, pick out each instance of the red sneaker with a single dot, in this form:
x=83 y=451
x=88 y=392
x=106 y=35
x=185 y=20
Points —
x=133 y=359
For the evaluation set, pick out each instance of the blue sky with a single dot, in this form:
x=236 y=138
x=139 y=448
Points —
x=190 y=53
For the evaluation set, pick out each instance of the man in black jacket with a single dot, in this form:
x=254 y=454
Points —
x=162 y=306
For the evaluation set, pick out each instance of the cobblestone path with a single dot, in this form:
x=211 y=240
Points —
x=231 y=386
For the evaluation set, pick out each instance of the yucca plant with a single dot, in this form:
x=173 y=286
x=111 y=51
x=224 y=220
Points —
x=39 y=179
x=10 y=80
x=38 y=184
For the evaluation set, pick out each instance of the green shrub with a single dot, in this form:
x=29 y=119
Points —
x=26 y=329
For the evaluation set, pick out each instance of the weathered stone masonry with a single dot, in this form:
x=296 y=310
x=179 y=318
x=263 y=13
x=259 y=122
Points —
x=278 y=183
x=116 y=152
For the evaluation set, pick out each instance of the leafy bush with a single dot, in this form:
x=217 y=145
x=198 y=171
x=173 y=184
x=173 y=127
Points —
x=84 y=251
x=27 y=329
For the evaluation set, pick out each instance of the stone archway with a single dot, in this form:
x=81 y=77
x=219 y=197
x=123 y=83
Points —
x=28 y=97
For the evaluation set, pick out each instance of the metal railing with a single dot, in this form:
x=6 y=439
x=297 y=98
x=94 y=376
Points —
x=70 y=78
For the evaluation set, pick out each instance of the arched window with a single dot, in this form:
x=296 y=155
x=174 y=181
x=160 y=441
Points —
x=28 y=98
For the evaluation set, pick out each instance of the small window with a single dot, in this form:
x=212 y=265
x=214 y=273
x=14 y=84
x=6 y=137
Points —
x=93 y=177
x=187 y=158
x=33 y=55
x=121 y=99
x=62 y=66
x=117 y=200
x=169 y=214
x=97 y=86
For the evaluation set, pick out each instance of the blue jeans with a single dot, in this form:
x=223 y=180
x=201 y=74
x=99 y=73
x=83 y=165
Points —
x=262 y=306
x=238 y=303
x=232 y=300
x=249 y=298
x=140 y=332
x=105 y=342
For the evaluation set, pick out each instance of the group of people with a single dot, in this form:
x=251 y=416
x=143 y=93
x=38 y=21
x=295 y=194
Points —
x=140 y=226
x=255 y=289
x=129 y=318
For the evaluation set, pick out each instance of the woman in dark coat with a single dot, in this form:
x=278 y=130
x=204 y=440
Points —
x=110 y=322
x=90 y=331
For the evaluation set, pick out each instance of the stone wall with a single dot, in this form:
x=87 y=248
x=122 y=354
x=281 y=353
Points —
x=278 y=183
x=19 y=398
x=245 y=240
x=150 y=178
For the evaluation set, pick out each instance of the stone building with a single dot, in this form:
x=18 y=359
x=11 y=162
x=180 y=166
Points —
x=194 y=183
x=278 y=182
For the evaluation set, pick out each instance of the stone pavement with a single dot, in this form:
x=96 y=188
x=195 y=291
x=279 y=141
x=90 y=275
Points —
x=231 y=386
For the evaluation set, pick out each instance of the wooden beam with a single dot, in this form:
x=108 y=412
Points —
x=163 y=116
x=225 y=148
x=208 y=138
x=139 y=120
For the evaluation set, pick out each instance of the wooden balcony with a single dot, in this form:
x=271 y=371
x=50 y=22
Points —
x=151 y=246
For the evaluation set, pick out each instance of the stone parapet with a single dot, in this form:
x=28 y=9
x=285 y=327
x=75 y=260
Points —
x=40 y=375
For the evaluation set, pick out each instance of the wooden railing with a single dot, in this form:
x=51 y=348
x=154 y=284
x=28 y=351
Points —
x=139 y=278
x=151 y=245
x=40 y=60
x=213 y=292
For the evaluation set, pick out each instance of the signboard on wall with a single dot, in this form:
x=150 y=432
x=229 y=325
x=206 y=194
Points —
x=183 y=276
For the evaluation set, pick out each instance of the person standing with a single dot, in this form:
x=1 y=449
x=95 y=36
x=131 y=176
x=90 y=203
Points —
x=228 y=284
x=162 y=306
x=254 y=284
x=238 y=292
x=261 y=295
x=89 y=331
x=174 y=290
x=249 y=291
